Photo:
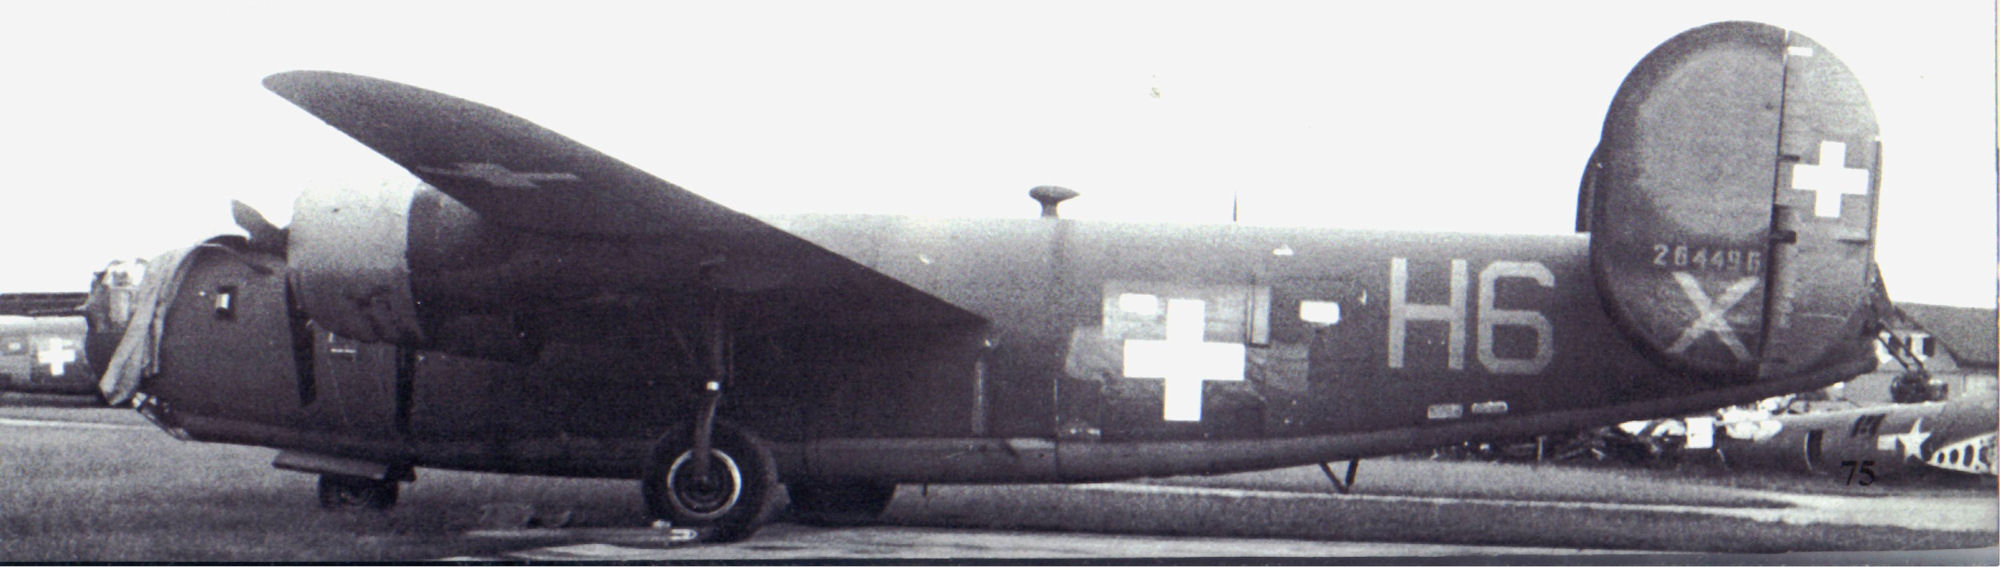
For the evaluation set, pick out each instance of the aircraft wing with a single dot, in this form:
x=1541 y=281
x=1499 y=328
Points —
x=516 y=173
x=41 y=303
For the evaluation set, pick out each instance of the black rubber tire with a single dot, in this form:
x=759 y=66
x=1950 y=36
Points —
x=839 y=503
x=743 y=483
x=341 y=491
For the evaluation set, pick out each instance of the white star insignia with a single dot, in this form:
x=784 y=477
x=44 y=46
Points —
x=1913 y=441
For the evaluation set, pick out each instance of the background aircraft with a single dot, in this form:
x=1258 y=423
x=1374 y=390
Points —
x=1931 y=410
x=536 y=306
x=47 y=340
x=41 y=344
x=1868 y=443
x=1929 y=406
x=26 y=304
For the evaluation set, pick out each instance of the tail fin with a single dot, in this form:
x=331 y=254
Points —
x=1731 y=202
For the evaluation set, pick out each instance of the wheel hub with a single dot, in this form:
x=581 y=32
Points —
x=710 y=495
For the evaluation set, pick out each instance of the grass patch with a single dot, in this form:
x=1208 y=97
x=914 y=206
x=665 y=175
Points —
x=95 y=495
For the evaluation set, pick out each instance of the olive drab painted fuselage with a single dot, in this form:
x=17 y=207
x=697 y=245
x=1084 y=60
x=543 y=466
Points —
x=1099 y=333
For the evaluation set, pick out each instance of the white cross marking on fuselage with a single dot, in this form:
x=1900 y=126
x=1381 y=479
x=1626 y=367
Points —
x=498 y=175
x=1829 y=182
x=1184 y=361
x=49 y=355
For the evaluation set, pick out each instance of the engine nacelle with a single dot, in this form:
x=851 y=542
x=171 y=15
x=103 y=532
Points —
x=348 y=257
x=352 y=271
x=1731 y=203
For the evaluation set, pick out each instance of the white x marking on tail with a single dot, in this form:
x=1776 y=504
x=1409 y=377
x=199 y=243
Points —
x=1711 y=318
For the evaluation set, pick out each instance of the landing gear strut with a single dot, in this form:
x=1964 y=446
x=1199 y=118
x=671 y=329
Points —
x=1343 y=486
x=342 y=491
x=710 y=473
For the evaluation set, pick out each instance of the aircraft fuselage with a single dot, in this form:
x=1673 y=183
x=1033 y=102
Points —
x=1111 y=350
x=44 y=354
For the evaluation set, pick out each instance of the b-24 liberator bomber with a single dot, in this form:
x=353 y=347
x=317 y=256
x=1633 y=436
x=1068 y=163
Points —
x=534 y=306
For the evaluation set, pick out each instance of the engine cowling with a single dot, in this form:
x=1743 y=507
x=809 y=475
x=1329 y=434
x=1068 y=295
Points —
x=348 y=257
x=352 y=270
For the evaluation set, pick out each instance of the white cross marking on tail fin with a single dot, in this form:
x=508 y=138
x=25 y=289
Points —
x=1184 y=361
x=1830 y=182
x=57 y=355
x=1711 y=319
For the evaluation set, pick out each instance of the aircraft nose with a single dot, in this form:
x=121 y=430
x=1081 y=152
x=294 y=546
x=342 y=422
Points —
x=109 y=309
x=113 y=305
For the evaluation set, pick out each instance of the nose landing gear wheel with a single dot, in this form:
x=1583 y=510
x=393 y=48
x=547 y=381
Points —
x=342 y=491
x=731 y=501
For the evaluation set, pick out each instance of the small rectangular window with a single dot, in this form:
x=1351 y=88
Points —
x=225 y=302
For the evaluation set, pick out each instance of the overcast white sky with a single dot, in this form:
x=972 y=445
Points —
x=127 y=127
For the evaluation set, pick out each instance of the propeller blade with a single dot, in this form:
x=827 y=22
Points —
x=263 y=234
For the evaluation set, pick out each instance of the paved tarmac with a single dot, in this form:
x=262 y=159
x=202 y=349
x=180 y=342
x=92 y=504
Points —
x=783 y=542
x=936 y=526
x=1403 y=510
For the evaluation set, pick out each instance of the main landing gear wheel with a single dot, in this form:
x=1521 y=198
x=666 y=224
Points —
x=839 y=503
x=731 y=501
x=342 y=491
